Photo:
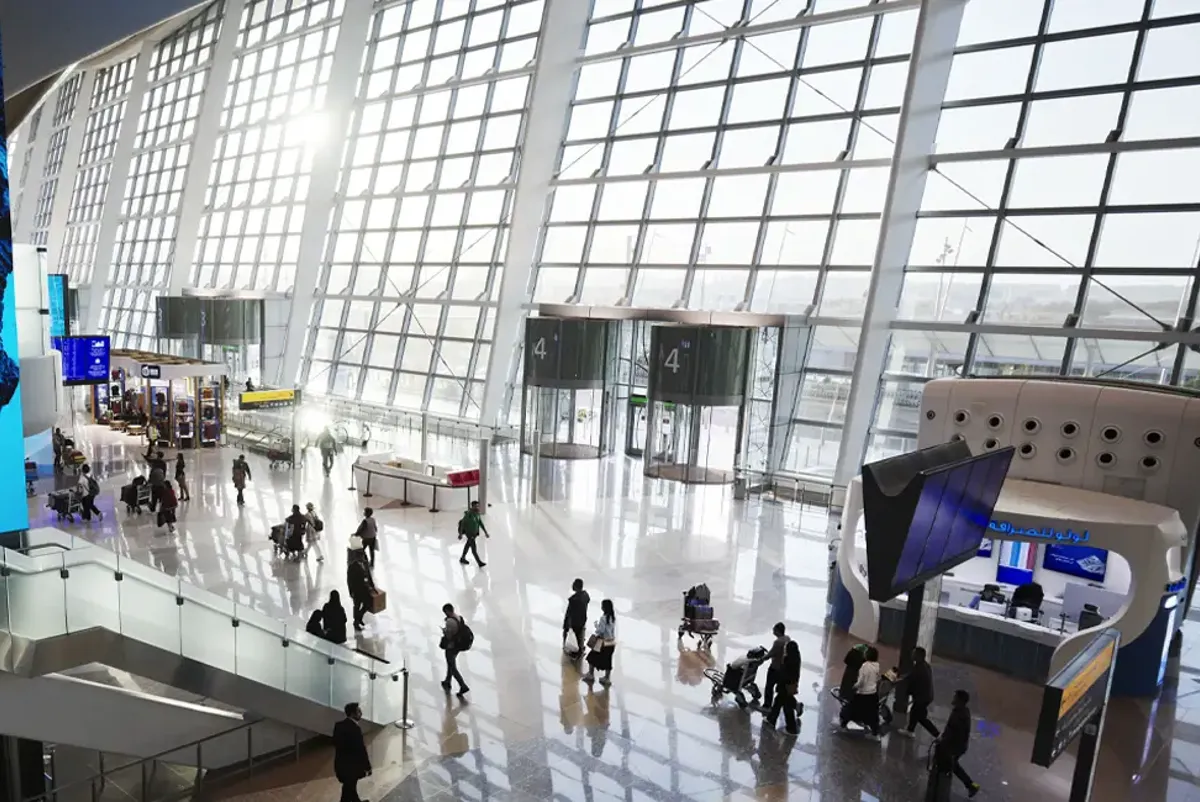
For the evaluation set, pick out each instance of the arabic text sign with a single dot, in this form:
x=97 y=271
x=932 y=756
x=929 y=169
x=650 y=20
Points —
x=1003 y=528
x=1073 y=696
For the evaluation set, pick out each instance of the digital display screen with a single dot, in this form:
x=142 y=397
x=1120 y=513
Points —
x=951 y=517
x=918 y=531
x=56 y=303
x=950 y=513
x=1081 y=561
x=85 y=360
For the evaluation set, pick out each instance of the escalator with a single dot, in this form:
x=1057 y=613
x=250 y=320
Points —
x=86 y=605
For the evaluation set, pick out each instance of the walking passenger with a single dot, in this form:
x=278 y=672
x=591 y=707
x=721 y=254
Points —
x=181 y=478
x=168 y=503
x=787 y=688
x=469 y=527
x=241 y=473
x=351 y=762
x=368 y=530
x=953 y=744
x=455 y=635
x=158 y=475
x=575 y=619
x=361 y=586
x=863 y=706
x=776 y=656
x=88 y=489
x=315 y=526
x=920 y=695
x=602 y=645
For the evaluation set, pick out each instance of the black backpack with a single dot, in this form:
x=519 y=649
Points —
x=93 y=486
x=465 y=637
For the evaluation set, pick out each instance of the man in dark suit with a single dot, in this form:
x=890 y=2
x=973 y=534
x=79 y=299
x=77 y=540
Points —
x=350 y=759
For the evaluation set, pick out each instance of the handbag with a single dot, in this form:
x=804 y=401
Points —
x=593 y=642
x=318 y=525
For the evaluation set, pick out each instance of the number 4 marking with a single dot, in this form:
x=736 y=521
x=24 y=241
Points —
x=539 y=349
x=672 y=360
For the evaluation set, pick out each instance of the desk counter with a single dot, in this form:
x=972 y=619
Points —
x=1017 y=648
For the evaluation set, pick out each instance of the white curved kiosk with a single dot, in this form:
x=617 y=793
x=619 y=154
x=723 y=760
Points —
x=1108 y=466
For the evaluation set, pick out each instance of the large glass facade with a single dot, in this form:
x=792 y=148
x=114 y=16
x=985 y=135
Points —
x=720 y=155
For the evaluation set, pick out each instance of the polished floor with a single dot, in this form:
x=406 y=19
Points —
x=529 y=729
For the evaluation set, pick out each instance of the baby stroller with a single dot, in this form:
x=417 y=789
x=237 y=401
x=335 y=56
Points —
x=279 y=455
x=698 y=618
x=65 y=503
x=288 y=543
x=135 y=495
x=739 y=678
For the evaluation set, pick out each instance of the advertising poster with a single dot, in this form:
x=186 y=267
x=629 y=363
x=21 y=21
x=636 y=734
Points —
x=14 y=510
x=1081 y=561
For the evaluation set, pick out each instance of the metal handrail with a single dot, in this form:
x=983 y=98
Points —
x=105 y=772
x=27 y=549
x=191 y=599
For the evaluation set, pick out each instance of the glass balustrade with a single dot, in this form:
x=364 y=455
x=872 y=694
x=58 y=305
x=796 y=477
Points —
x=61 y=585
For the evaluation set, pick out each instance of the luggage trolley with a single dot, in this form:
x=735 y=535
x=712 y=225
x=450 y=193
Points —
x=65 y=503
x=698 y=618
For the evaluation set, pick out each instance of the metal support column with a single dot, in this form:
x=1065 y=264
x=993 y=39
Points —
x=204 y=145
x=322 y=186
x=933 y=50
x=72 y=149
x=118 y=177
x=550 y=104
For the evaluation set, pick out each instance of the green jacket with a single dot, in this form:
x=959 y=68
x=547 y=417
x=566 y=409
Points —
x=471 y=524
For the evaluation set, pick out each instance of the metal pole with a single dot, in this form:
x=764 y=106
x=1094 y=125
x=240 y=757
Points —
x=485 y=448
x=424 y=437
x=404 y=723
x=296 y=464
x=537 y=461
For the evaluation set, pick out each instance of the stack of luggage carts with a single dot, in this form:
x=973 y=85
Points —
x=698 y=618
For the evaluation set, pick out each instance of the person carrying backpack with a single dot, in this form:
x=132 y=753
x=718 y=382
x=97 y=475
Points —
x=469 y=526
x=456 y=637
x=89 y=488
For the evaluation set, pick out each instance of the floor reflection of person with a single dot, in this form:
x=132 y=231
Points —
x=597 y=723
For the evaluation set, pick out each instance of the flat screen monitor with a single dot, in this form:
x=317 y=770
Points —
x=1084 y=562
x=56 y=299
x=84 y=359
x=950 y=518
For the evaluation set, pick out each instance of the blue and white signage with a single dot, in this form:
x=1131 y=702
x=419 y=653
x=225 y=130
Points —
x=1081 y=561
x=85 y=359
x=1005 y=529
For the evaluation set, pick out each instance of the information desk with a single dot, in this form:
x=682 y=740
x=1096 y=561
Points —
x=1018 y=648
x=412 y=482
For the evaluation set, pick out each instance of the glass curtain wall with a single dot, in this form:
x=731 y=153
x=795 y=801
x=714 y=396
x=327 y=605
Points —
x=407 y=293
x=63 y=109
x=145 y=241
x=271 y=128
x=107 y=107
x=716 y=155
x=1055 y=204
x=744 y=173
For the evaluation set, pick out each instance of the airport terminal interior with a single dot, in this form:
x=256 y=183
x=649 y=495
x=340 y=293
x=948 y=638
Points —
x=404 y=255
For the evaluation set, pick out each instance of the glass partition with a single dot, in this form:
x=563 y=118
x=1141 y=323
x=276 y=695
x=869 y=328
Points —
x=52 y=594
